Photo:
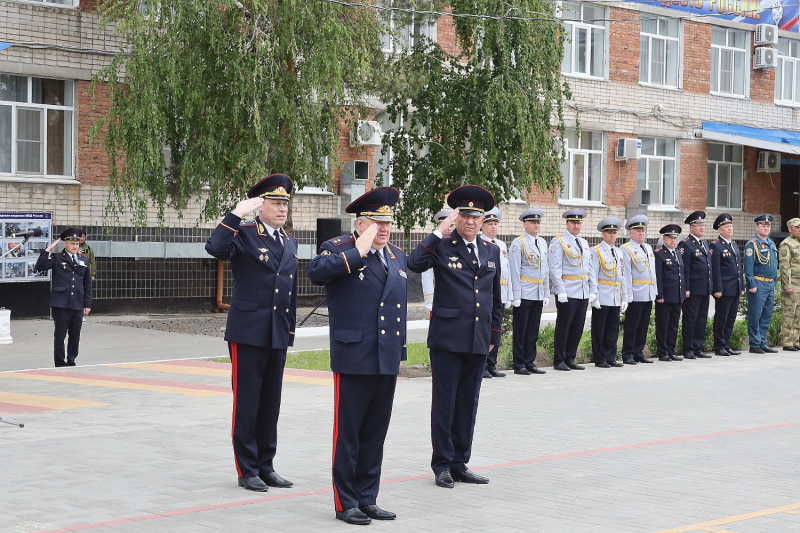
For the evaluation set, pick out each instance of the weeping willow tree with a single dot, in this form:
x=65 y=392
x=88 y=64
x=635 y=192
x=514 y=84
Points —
x=489 y=113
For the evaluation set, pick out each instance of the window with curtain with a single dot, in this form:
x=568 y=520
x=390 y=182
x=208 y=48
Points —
x=787 y=73
x=585 y=40
x=583 y=168
x=658 y=51
x=729 y=64
x=725 y=175
x=657 y=168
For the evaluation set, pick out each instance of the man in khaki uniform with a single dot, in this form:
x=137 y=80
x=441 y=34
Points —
x=789 y=261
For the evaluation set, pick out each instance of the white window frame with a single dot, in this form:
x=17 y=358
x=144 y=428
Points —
x=729 y=164
x=646 y=159
x=415 y=29
x=311 y=189
x=720 y=49
x=569 y=27
x=15 y=174
x=568 y=197
x=658 y=36
x=70 y=3
x=780 y=73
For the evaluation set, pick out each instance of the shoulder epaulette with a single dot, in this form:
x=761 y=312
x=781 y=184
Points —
x=492 y=243
x=686 y=239
x=289 y=234
x=520 y=238
x=247 y=224
x=393 y=246
x=660 y=249
x=753 y=240
x=447 y=236
x=596 y=247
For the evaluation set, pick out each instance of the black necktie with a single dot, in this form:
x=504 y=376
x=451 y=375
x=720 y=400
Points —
x=472 y=251
x=578 y=244
x=614 y=255
x=277 y=236
x=379 y=255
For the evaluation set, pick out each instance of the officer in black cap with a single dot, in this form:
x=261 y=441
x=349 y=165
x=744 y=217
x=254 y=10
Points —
x=70 y=292
x=365 y=283
x=466 y=325
x=671 y=293
x=726 y=267
x=260 y=323
x=697 y=268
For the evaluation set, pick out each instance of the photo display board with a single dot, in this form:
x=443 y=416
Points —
x=19 y=255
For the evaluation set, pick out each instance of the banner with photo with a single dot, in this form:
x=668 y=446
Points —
x=22 y=236
x=781 y=13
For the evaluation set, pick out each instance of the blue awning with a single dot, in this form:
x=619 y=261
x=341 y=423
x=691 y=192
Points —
x=3 y=46
x=775 y=140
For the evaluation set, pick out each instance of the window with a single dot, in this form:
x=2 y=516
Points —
x=658 y=53
x=60 y=2
x=729 y=65
x=404 y=29
x=585 y=40
x=35 y=126
x=318 y=184
x=787 y=74
x=725 y=175
x=657 y=170
x=383 y=162
x=583 y=169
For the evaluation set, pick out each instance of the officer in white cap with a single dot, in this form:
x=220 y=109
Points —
x=608 y=274
x=640 y=283
x=489 y=233
x=428 y=281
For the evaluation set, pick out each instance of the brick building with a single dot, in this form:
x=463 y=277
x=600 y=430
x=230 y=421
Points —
x=681 y=79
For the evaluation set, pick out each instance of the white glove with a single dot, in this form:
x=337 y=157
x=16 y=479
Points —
x=545 y=302
x=562 y=298
x=517 y=303
x=592 y=298
x=429 y=305
x=596 y=304
x=623 y=306
x=507 y=305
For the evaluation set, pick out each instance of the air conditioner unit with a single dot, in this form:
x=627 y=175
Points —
x=765 y=58
x=628 y=149
x=766 y=34
x=367 y=133
x=769 y=161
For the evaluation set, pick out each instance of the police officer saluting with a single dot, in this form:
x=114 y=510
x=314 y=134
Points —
x=640 y=280
x=608 y=274
x=530 y=285
x=260 y=323
x=697 y=269
x=70 y=293
x=489 y=234
x=760 y=273
x=671 y=293
x=466 y=325
x=726 y=266
x=365 y=285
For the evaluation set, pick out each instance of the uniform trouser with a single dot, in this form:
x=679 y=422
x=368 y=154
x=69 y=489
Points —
x=525 y=323
x=790 y=317
x=695 y=317
x=491 y=360
x=66 y=320
x=759 y=313
x=634 y=338
x=457 y=381
x=605 y=330
x=570 y=318
x=667 y=319
x=362 y=407
x=725 y=309
x=257 y=376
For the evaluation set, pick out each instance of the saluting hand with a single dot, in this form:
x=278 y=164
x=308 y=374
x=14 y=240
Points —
x=52 y=246
x=446 y=224
x=365 y=240
x=247 y=206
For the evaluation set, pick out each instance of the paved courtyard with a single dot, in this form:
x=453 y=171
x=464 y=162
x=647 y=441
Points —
x=706 y=445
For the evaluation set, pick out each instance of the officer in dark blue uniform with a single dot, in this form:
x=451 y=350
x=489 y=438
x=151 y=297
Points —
x=670 y=280
x=365 y=282
x=260 y=324
x=696 y=257
x=70 y=293
x=466 y=325
x=726 y=266
x=760 y=274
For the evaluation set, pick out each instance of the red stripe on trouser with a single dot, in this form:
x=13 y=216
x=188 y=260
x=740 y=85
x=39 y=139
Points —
x=234 y=371
x=336 y=378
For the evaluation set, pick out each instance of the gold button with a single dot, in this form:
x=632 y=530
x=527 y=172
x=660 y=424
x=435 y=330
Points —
x=398 y=306
x=383 y=332
x=476 y=291
x=290 y=294
x=276 y=290
x=398 y=333
x=278 y=274
x=291 y=276
x=381 y=304
x=398 y=319
x=477 y=305
x=476 y=319
x=476 y=277
x=382 y=318
x=287 y=310
x=274 y=307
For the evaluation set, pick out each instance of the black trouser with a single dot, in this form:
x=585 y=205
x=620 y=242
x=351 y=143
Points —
x=362 y=408
x=457 y=379
x=605 y=330
x=491 y=360
x=695 y=316
x=570 y=319
x=66 y=320
x=725 y=309
x=634 y=338
x=526 y=320
x=667 y=319
x=257 y=376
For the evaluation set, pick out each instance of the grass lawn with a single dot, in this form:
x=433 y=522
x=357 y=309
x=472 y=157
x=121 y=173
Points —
x=321 y=359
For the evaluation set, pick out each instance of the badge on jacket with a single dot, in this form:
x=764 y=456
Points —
x=403 y=273
x=490 y=264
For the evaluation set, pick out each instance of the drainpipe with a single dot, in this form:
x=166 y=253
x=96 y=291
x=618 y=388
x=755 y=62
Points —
x=221 y=307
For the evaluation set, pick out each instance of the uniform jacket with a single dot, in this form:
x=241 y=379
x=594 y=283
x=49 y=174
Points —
x=506 y=294
x=789 y=252
x=726 y=267
x=608 y=275
x=366 y=306
x=696 y=265
x=71 y=286
x=264 y=303
x=529 y=271
x=569 y=269
x=670 y=275
x=640 y=271
x=467 y=306
x=760 y=259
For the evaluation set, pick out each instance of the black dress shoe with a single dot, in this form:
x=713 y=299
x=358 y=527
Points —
x=701 y=355
x=70 y=363
x=536 y=370
x=643 y=359
x=561 y=366
x=797 y=346
x=496 y=374
x=573 y=366
x=274 y=480
x=602 y=365
x=721 y=351
x=790 y=348
x=522 y=371
x=253 y=483
x=690 y=356
x=615 y=364
x=444 y=479
x=664 y=358
x=733 y=352
x=376 y=513
x=629 y=361
x=756 y=350
x=486 y=374
x=676 y=357
x=767 y=349
x=353 y=516
x=468 y=476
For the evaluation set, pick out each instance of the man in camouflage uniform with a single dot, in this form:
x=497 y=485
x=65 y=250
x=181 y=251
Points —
x=789 y=260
